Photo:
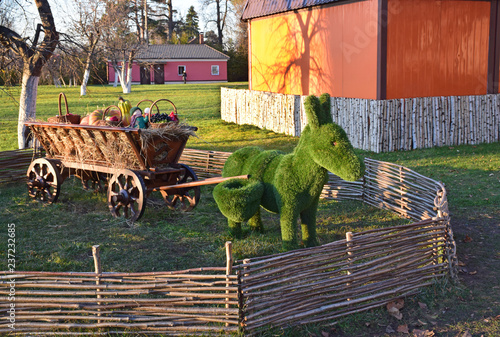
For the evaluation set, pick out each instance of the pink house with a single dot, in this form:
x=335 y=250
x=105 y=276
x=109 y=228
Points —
x=166 y=63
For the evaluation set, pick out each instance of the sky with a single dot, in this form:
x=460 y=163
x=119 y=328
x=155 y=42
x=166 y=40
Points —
x=63 y=9
x=60 y=9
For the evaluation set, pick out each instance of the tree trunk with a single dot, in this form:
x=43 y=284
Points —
x=88 y=62
x=124 y=78
x=170 y=15
x=34 y=58
x=86 y=76
x=129 y=80
x=27 y=108
x=219 y=24
x=126 y=74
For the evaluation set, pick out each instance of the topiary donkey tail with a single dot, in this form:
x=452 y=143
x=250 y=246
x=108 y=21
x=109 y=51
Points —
x=288 y=184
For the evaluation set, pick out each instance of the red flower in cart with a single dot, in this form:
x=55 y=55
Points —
x=173 y=117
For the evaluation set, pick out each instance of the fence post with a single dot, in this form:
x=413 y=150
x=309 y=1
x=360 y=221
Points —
x=97 y=266
x=348 y=239
x=229 y=268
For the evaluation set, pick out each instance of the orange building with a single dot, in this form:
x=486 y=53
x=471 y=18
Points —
x=374 y=49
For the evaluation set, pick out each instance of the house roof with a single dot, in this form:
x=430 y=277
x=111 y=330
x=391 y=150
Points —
x=258 y=8
x=180 y=51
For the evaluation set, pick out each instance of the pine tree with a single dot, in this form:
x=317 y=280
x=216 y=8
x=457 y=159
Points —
x=191 y=27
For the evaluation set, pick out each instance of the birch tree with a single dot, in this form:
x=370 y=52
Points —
x=88 y=27
x=34 y=57
x=120 y=42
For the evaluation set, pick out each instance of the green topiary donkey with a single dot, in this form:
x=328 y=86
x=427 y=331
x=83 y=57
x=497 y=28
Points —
x=288 y=184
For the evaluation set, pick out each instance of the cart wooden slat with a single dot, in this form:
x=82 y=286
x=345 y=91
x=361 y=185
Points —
x=131 y=162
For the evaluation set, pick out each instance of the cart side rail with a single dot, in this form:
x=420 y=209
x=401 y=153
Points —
x=108 y=147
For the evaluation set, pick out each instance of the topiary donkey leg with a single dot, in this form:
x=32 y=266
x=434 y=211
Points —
x=288 y=223
x=255 y=222
x=308 y=218
x=235 y=228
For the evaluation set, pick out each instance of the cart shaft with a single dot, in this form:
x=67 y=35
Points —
x=209 y=181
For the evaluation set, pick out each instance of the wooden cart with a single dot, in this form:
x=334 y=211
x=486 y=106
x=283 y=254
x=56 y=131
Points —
x=131 y=162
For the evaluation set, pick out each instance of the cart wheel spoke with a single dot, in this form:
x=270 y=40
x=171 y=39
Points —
x=44 y=180
x=171 y=200
x=126 y=191
x=184 y=199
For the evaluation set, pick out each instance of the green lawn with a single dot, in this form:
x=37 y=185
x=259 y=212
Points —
x=59 y=237
x=197 y=105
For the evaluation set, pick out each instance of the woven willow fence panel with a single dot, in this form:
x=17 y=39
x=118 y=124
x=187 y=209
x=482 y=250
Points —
x=184 y=302
x=14 y=164
x=376 y=125
x=342 y=277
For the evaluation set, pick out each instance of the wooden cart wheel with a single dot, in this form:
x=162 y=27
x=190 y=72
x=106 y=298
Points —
x=44 y=180
x=184 y=199
x=126 y=195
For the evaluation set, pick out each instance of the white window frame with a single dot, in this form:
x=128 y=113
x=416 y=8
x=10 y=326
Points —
x=212 y=70
x=179 y=73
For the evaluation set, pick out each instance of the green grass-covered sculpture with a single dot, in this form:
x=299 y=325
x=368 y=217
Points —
x=288 y=184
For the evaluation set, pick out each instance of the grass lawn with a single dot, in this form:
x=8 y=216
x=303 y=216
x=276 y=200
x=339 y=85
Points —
x=59 y=237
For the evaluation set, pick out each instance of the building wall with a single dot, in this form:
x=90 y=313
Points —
x=199 y=71
x=437 y=48
x=331 y=49
x=196 y=71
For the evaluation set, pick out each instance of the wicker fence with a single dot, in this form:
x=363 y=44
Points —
x=364 y=271
x=376 y=125
x=14 y=164
x=187 y=302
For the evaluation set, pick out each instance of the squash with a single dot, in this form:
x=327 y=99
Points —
x=96 y=115
x=85 y=120
x=125 y=106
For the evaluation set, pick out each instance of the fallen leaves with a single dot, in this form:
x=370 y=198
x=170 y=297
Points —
x=422 y=333
x=422 y=306
x=393 y=308
x=467 y=238
x=403 y=329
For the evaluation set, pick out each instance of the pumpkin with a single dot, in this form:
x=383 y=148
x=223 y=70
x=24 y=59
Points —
x=85 y=120
x=96 y=115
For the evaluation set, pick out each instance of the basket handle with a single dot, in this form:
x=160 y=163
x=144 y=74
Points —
x=108 y=108
x=148 y=100
x=162 y=99
x=65 y=102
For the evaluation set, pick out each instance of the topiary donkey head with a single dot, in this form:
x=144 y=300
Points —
x=289 y=184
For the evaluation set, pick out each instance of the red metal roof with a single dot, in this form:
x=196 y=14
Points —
x=258 y=8
x=179 y=51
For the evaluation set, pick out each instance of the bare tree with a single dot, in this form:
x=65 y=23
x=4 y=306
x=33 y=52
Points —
x=218 y=16
x=120 y=42
x=34 y=57
x=88 y=27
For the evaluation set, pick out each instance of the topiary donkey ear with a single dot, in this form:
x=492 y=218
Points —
x=318 y=110
x=313 y=111
x=325 y=116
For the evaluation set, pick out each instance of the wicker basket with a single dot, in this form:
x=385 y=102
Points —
x=160 y=125
x=67 y=119
x=104 y=122
x=148 y=100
